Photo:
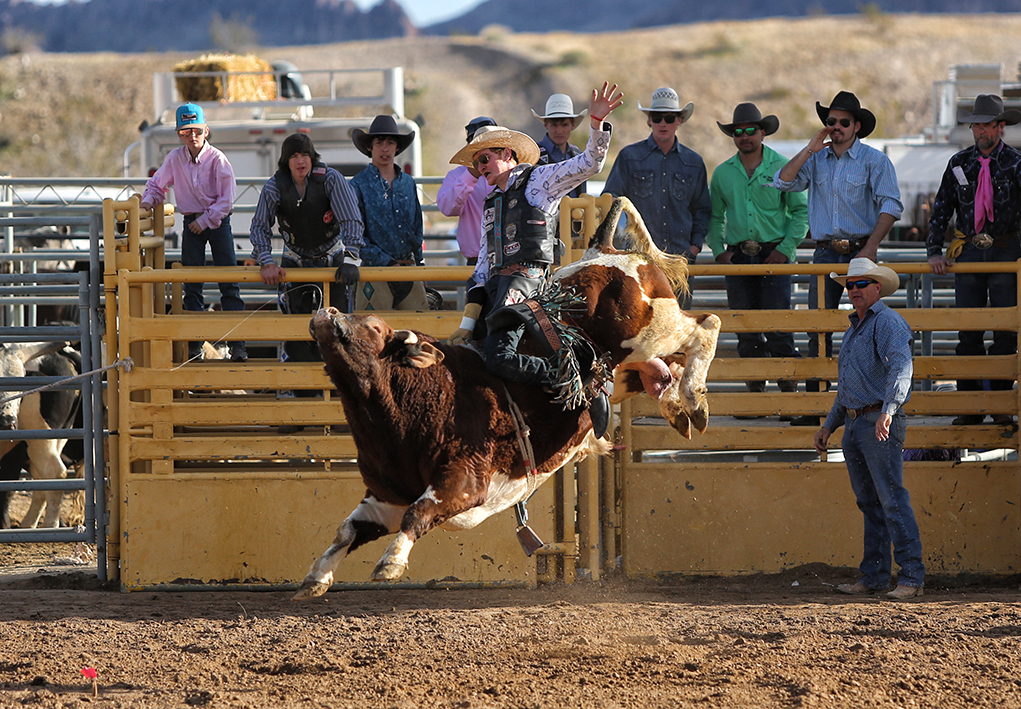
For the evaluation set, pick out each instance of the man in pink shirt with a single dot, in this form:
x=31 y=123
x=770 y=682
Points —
x=204 y=188
x=462 y=194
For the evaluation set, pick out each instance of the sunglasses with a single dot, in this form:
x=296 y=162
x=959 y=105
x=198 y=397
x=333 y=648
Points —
x=485 y=158
x=750 y=130
x=190 y=131
x=846 y=122
x=864 y=283
x=661 y=117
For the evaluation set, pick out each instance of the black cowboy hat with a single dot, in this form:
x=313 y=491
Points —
x=749 y=113
x=381 y=125
x=846 y=101
x=988 y=108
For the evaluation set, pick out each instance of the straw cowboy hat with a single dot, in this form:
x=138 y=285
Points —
x=560 y=106
x=498 y=137
x=664 y=100
x=749 y=113
x=846 y=101
x=887 y=278
x=381 y=125
x=988 y=108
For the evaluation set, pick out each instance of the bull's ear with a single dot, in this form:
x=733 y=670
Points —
x=413 y=352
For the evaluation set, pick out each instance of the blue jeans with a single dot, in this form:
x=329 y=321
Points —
x=193 y=253
x=876 y=469
x=831 y=299
x=977 y=290
x=760 y=293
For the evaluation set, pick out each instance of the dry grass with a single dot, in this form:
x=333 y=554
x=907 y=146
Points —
x=75 y=114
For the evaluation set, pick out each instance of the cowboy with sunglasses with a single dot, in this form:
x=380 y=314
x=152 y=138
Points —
x=753 y=223
x=875 y=373
x=520 y=221
x=852 y=205
x=666 y=181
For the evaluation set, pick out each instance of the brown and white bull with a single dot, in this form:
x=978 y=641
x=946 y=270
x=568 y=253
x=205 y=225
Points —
x=437 y=443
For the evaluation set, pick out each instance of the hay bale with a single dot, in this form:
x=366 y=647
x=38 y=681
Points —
x=248 y=87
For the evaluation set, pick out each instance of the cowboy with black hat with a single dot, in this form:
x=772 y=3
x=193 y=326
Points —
x=853 y=203
x=752 y=223
x=982 y=186
x=392 y=213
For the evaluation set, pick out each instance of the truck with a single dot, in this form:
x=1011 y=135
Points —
x=321 y=103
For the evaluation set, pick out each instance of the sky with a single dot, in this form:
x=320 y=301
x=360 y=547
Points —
x=421 y=12
x=427 y=12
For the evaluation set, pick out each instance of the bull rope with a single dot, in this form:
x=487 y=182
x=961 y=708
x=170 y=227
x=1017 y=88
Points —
x=126 y=364
x=524 y=442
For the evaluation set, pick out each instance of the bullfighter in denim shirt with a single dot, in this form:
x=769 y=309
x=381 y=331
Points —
x=875 y=373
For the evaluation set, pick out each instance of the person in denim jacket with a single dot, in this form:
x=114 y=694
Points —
x=666 y=180
x=990 y=235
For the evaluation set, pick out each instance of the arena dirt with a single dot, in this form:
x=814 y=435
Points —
x=783 y=640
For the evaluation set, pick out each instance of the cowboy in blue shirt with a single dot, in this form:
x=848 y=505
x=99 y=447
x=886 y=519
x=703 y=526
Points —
x=666 y=181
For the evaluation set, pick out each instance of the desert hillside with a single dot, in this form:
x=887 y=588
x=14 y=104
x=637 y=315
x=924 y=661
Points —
x=73 y=115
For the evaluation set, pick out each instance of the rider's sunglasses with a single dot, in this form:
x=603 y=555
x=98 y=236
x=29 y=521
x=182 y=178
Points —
x=484 y=158
x=750 y=130
x=864 y=283
x=668 y=118
x=846 y=122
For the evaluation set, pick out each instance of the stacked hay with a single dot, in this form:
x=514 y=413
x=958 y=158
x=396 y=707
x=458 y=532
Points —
x=247 y=87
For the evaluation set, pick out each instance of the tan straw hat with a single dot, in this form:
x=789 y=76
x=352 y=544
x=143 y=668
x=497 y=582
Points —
x=498 y=137
x=887 y=278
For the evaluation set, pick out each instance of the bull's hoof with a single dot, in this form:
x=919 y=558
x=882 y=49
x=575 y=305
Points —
x=310 y=588
x=700 y=418
x=388 y=570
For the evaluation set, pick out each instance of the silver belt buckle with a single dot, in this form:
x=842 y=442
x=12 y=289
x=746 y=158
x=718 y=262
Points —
x=982 y=241
x=840 y=246
x=750 y=247
x=853 y=413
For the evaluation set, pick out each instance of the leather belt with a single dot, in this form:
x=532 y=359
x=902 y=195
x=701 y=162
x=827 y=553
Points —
x=855 y=413
x=750 y=247
x=843 y=246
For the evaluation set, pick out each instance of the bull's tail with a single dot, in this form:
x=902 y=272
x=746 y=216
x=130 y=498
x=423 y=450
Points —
x=636 y=239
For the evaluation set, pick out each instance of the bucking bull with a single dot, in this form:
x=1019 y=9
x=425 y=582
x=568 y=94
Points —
x=437 y=441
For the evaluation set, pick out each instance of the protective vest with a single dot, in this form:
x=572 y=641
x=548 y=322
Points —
x=516 y=231
x=307 y=222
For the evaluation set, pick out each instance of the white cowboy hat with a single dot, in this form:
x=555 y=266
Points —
x=498 y=137
x=560 y=106
x=665 y=100
x=887 y=278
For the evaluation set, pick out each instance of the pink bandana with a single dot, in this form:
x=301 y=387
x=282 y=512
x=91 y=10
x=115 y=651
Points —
x=983 y=196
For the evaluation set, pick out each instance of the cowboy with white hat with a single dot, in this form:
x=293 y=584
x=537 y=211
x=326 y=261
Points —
x=875 y=373
x=666 y=180
x=559 y=120
x=853 y=203
x=752 y=224
x=520 y=220
x=982 y=187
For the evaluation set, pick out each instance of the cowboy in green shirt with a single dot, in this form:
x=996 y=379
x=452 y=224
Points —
x=754 y=223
